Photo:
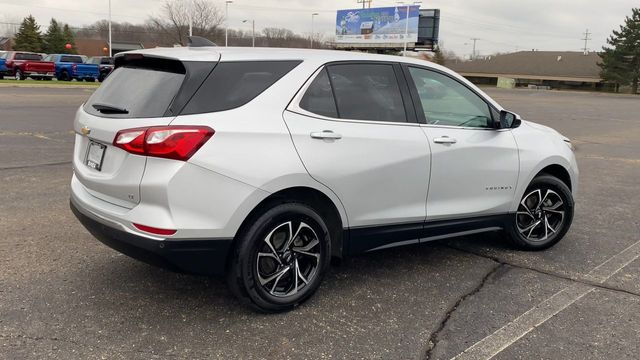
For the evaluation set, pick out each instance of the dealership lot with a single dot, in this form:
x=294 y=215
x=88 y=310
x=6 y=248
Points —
x=65 y=295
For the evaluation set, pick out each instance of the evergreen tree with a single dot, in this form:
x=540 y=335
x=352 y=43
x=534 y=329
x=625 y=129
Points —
x=54 y=40
x=621 y=59
x=67 y=34
x=28 y=37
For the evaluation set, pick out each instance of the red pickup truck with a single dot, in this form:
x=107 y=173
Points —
x=22 y=64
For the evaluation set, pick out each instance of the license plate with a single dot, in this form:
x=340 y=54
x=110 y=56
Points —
x=95 y=155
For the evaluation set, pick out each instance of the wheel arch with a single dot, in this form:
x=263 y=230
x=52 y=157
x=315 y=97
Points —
x=312 y=197
x=557 y=171
x=555 y=166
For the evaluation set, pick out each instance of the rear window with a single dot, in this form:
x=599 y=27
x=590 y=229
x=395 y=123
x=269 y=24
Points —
x=32 y=57
x=106 y=61
x=71 y=59
x=141 y=92
x=233 y=84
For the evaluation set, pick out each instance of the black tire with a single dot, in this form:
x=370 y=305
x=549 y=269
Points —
x=19 y=75
x=552 y=225
x=101 y=77
x=247 y=267
x=64 y=76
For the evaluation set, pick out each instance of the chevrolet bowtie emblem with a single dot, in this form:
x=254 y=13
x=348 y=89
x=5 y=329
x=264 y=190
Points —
x=85 y=130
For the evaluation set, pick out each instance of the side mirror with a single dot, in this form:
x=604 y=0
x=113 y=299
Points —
x=509 y=120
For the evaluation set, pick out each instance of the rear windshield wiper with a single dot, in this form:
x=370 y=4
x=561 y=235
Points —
x=109 y=109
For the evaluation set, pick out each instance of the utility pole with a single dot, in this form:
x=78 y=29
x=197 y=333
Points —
x=586 y=41
x=110 y=47
x=226 y=22
x=253 y=32
x=406 y=25
x=473 y=54
x=311 y=37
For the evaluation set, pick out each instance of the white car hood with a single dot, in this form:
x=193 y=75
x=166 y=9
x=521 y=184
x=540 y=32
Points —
x=545 y=129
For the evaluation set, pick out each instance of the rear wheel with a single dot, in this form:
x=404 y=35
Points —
x=64 y=76
x=544 y=214
x=279 y=261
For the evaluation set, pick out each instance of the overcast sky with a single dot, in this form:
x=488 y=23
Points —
x=501 y=25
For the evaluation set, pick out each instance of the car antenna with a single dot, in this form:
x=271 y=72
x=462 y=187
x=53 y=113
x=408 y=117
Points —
x=199 y=41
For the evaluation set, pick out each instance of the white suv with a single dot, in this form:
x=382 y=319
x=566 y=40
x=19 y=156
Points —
x=263 y=164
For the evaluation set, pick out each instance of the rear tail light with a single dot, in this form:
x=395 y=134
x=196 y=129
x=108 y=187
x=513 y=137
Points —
x=169 y=142
x=74 y=67
x=154 y=230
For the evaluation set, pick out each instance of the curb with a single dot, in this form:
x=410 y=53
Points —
x=48 y=86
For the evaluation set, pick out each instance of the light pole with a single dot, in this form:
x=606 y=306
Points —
x=226 y=22
x=311 y=37
x=253 y=32
x=110 y=48
x=406 y=26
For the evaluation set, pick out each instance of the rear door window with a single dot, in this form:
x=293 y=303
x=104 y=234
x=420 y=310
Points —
x=233 y=84
x=71 y=59
x=136 y=93
x=367 y=92
x=32 y=57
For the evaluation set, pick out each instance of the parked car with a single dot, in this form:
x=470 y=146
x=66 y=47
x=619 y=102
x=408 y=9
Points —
x=105 y=63
x=70 y=67
x=22 y=64
x=265 y=165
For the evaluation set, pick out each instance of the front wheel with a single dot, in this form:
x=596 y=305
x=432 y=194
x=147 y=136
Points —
x=19 y=75
x=279 y=261
x=544 y=214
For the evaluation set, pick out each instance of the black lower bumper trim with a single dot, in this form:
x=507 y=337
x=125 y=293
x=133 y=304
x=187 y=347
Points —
x=204 y=257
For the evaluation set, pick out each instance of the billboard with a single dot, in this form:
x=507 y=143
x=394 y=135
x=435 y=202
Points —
x=378 y=25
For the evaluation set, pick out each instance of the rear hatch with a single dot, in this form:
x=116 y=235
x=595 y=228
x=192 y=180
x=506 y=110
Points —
x=140 y=92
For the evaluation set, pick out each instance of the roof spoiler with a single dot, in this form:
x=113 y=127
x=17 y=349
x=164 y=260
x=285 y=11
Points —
x=198 y=41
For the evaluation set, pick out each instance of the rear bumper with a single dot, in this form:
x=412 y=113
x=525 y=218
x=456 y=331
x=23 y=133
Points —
x=196 y=256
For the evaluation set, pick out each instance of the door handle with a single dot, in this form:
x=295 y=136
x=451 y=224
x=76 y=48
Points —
x=326 y=134
x=445 y=140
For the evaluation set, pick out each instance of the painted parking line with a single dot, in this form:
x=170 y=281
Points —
x=501 y=339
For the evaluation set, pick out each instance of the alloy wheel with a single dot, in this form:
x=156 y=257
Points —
x=540 y=215
x=288 y=261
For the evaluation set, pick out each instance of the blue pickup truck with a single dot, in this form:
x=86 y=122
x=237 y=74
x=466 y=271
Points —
x=70 y=67
x=3 y=61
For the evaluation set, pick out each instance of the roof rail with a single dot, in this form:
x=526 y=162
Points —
x=198 y=41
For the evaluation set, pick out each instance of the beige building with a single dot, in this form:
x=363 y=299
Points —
x=556 y=69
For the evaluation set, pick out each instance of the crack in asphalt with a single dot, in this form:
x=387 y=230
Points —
x=545 y=272
x=433 y=338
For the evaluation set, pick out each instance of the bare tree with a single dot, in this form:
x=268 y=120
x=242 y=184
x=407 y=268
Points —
x=10 y=25
x=173 y=24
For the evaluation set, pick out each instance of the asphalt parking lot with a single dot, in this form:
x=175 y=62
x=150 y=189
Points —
x=64 y=295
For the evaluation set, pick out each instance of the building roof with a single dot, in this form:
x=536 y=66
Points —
x=548 y=65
